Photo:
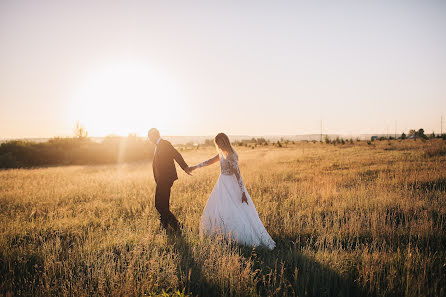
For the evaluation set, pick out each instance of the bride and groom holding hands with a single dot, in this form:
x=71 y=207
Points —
x=229 y=210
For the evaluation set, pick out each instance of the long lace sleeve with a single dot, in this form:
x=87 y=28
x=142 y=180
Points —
x=233 y=160
x=208 y=162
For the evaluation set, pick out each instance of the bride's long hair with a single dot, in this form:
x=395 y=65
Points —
x=224 y=145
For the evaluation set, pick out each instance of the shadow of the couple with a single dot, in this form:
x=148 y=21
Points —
x=285 y=271
x=189 y=270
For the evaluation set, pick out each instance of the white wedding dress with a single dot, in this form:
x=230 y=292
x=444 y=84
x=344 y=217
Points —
x=226 y=214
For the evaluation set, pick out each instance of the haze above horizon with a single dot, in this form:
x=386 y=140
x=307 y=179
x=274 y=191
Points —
x=198 y=68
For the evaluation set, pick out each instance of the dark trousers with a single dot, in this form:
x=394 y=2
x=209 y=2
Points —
x=162 y=197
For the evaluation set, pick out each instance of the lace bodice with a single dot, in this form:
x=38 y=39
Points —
x=228 y=165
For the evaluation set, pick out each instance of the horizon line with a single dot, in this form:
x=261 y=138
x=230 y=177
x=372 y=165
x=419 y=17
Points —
x=231 y=135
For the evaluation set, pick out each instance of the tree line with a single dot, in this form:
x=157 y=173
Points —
x=76 y=150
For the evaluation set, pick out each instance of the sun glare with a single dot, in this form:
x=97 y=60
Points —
x=127 y=98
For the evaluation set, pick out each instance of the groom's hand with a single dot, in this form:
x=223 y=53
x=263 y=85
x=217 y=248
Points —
x=188 y=170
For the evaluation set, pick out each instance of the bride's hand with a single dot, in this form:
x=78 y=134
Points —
x=244 y=199
x=193 y=168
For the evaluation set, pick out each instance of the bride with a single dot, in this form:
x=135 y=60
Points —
x=229 y=209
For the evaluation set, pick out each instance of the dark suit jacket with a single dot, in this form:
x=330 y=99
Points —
x=164 y=169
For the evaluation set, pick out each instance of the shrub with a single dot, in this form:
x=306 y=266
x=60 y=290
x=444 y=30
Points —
x=8 y=160
x=327 y=139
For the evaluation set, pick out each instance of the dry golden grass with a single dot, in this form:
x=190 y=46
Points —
x=349 y=220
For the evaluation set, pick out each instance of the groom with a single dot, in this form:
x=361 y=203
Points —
x=165 y=174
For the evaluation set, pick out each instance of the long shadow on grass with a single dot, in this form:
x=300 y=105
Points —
x=285 y=271
x=189 y=269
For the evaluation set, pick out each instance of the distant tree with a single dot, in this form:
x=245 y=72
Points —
x=420 y=133
x=80 y=132
x=432 y=136
x=327 y=139
x=403 y=136
x=412 y=132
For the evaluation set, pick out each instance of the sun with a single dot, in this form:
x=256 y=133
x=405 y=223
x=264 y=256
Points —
x=127 y=97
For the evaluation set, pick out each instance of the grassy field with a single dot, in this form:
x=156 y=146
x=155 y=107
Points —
x=348 y=220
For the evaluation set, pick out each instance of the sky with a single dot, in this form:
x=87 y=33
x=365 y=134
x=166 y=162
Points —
x=203 y=67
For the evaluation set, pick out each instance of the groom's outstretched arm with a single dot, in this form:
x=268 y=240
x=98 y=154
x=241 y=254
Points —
x=177 y=156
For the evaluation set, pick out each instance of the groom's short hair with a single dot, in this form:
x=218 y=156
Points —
x=153 y=131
